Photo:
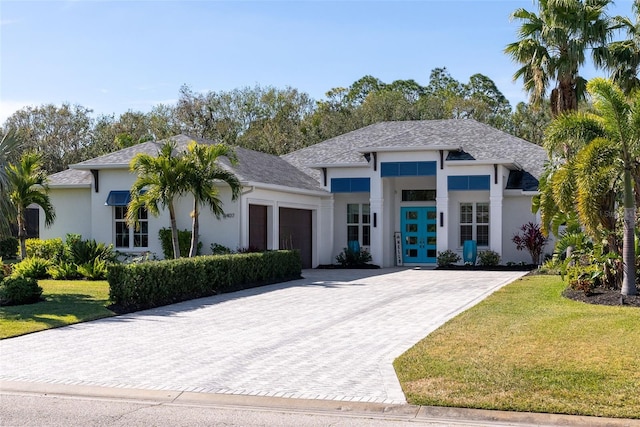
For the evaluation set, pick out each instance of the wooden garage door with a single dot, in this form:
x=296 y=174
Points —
x=296 y=232
x=258 y=227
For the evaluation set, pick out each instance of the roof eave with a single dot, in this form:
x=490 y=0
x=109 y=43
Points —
x=504 y=162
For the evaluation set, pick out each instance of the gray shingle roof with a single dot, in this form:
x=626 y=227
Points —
x=70 y=178
x=252 y=166
x=480 y=141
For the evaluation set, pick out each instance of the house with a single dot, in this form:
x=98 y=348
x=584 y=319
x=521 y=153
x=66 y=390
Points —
x=403 y=190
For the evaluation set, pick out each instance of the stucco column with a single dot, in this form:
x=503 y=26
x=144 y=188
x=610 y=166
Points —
x=495 y=220
x=325 y=231
x=442 y=212
x=376 y=198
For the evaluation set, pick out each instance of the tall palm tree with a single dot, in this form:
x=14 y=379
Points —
x=160 y=180
x=28 y=185
x=605 y=162
x=622 y=57
x=203 y=179
x=8 y=145
x=553 y=46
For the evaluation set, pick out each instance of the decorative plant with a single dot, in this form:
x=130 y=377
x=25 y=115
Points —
x=531 y=239
x=350 y=258
x=488 y=258
x=447 y=258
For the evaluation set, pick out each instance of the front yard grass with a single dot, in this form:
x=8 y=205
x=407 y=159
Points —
x=66 y=302
x=526 y=348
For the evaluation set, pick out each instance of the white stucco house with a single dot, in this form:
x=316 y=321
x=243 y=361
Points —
x=403 y=190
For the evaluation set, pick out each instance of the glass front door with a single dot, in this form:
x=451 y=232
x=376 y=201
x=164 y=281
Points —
x=419 y=228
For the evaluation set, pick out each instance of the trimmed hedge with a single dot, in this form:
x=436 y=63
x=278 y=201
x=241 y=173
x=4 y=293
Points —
x=157 y=283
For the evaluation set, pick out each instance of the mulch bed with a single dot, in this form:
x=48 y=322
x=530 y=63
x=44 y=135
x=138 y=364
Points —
x=518 y=267
x=603 y=296
x=347 y=267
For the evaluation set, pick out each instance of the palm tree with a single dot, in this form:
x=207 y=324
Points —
x=591 y=178
x=28 y=185
x=160 y=180
x=8 y=146
x=622 y=57
x=203 y=178
x=553 y=46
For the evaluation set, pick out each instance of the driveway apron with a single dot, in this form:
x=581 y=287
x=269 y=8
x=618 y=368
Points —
x=332 y=335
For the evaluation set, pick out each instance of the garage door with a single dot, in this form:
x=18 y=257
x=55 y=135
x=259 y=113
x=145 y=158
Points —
x=296 y=232
x=258 y=227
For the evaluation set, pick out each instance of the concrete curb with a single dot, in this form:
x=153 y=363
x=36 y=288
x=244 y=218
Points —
x=333 y=407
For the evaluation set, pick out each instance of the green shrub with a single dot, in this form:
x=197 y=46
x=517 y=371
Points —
x=488 y=258
x=447 y=258
x=63 y=271
x=19 y=290
x=52 y=249
x=35 y=268
x=350 y=258
x=5 y=269
x=94 y=270
x=152 y=284
x=184 y=243
x=584 y=278
x=87 y=251
x=9 y=247
x=218 y=249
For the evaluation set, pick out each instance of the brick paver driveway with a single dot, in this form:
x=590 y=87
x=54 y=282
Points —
x=332 y=335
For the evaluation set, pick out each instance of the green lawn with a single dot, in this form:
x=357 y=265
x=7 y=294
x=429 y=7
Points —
x=526 y=348
x=66 y=302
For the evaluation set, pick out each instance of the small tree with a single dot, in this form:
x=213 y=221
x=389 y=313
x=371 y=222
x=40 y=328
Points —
x=531 y=239
x=27 y=186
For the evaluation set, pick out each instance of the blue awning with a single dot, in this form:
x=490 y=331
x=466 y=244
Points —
x=118 y=198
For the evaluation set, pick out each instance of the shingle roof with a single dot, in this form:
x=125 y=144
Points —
x=253 y=166
x=70 y=178
x=479 y=141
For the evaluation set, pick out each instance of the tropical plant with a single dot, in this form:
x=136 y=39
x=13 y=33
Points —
x=27 y=186
x=552 y=48
x=8 y=146
x=94 y=270
x=33 y=267
x=160 y=180
x=63 y=271
x=531 y=239
x=488 y=258
x=203 y=178
x=447 y=258
x=622 y=57
x=604 y=165
x=353 y=258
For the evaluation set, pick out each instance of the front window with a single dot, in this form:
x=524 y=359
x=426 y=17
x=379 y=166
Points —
x=359 y=223
x=474 y=223
x=131 y=237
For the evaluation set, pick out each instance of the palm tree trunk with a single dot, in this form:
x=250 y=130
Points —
x=174 y=231
x=628 y=243
x=22 y=233
x=195 y=230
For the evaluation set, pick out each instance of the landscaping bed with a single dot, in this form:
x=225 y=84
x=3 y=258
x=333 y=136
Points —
x=518 y=267
x=602 y=296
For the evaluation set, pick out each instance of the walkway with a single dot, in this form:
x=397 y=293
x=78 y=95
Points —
x=331 y=336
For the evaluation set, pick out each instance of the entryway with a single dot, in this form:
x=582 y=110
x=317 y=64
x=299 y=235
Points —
x=419 y=227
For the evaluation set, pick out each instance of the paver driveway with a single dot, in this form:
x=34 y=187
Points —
x=332 y=335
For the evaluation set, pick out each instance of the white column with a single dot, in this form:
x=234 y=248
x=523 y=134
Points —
x=495 y=214
x=442 y=207
x=376 y=199
x=325 y=231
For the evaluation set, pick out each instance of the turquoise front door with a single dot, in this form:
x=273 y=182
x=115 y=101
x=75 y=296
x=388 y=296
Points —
x=419 y=228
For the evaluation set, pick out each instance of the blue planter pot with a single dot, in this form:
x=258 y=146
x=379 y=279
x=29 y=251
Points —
x=469 y=252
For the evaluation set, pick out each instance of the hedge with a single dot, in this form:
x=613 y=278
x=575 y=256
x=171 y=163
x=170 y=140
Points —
x=157 y=283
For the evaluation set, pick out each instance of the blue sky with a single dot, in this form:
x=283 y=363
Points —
x=114 y=56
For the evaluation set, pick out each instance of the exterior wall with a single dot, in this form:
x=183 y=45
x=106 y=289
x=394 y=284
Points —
x=517 y=211
x=73 y=213
x=453 y=219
